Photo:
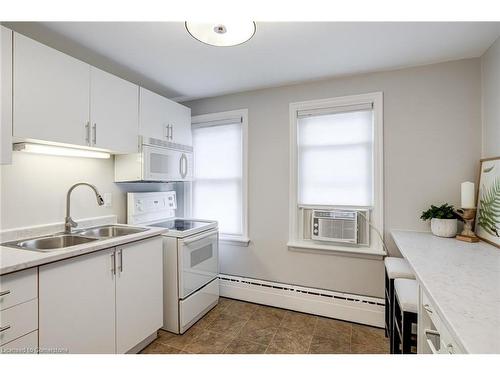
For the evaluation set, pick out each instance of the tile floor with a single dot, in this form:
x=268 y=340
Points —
x=245 y=328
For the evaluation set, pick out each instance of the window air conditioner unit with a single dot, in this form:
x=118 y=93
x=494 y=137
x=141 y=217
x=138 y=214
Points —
x=335 y=226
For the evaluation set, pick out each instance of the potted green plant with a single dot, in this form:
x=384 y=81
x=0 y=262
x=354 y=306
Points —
x=443 y=219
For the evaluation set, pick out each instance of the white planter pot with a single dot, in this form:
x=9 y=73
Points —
x=444 y=227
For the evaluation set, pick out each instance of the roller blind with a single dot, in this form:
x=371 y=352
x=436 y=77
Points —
x=335 y=156
x=218 y=171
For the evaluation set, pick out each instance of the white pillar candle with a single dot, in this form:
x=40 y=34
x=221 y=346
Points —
x=468 y=195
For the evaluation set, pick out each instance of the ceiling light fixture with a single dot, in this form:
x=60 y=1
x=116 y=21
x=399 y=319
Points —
x=223 y=34
x=36 y=148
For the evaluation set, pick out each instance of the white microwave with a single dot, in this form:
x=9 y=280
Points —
x=158 y=161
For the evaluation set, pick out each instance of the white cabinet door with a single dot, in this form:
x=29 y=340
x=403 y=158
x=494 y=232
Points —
x=77 y=304
x=114 y=112
x=164 y=119
x=153 y=116
x=139 y=292
x=6 y=97
x=179 y=118
x=51 y=94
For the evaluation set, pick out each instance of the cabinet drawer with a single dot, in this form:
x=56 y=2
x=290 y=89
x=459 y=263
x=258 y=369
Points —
x=18 y=287
x=27 y=344
x=197 y=304
x=447 y=343
x=18 y=321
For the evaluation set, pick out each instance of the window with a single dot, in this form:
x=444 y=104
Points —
x=335 y=158
x=336 y=152
x=219 y=186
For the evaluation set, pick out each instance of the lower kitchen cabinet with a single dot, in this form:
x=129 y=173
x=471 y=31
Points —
x=104 y=302
x=77 y=304
x=139 y=292
x=433 y=337
x=27 y=344
x=19 y=312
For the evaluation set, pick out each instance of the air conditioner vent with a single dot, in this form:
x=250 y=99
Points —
x=335 y=226
x=346 y=226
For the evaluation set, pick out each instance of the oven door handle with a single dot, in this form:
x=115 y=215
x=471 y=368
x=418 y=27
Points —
x=199 y=237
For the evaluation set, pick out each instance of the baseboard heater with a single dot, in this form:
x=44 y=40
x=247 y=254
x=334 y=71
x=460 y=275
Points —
x=331 y=304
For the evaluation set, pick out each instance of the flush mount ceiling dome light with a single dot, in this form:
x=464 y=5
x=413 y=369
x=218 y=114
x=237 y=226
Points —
x=222 y=34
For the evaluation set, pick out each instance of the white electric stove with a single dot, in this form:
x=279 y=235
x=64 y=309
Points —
x=190 y=258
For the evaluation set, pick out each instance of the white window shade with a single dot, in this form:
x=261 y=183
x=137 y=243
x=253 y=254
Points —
x=335 y=158
x=218 y=174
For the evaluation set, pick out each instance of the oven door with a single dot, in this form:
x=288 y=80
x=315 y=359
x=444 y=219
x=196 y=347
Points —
x=165 y=164
x=198 y=261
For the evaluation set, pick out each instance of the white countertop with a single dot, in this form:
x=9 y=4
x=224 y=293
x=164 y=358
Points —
x=12 y=259
x=462 y=280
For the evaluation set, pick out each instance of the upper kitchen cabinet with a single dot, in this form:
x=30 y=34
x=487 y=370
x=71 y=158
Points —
x=6 y=97
x=164 y=119
x=114 y=112
x=51 y=94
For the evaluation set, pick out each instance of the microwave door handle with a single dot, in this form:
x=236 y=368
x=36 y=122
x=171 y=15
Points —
x=180 y=166
x=183 y=166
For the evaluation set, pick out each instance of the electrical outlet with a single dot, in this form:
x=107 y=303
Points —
x=108 y=199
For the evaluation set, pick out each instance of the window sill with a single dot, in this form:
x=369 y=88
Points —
x=360 y=252
x=235 y=241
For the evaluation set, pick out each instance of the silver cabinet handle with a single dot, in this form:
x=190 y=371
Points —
x=4 y=328
x=171 y=132
x=87 y=133
x=428 y=308
x=431 y=332
x=120 y=257
x=166 y=128
x=94 y=128
x=113 y=263
x=451 y=349
x=431 y=335
x=4 y=293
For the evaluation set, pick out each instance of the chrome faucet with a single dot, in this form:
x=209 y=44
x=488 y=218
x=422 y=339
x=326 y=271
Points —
x=68 y=222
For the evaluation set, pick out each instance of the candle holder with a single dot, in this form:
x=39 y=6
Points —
x=468 y=215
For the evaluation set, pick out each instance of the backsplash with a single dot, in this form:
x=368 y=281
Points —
x=34 y=187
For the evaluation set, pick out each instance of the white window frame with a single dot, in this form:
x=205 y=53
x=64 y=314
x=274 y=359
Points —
x=242 y=240
x=377 y=215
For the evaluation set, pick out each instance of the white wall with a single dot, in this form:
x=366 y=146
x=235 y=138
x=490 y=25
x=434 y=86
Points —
x=432 y=142
x=491 y=100
x=33 y=189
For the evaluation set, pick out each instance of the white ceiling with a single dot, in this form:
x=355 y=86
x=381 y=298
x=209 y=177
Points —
x=162 y=56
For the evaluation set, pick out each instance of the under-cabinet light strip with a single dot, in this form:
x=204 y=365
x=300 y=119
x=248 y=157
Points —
x=36 y=148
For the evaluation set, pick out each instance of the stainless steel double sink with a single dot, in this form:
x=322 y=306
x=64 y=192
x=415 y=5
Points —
x=61 y=241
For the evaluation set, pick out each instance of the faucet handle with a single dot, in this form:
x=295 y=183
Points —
x=70 y=222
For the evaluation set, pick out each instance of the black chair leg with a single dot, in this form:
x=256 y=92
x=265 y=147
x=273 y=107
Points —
x=387 y=308
x=406 y=326
x=394 y=341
